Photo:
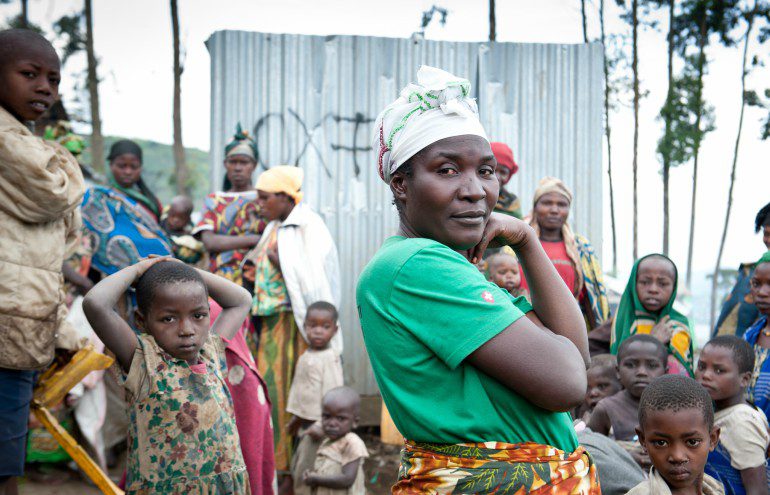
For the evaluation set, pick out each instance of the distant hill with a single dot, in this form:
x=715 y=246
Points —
x=158 y=168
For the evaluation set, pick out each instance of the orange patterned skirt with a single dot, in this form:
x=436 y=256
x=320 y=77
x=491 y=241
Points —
x=494 y=467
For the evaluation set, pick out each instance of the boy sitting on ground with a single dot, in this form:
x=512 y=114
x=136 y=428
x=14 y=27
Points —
x=676 y=426
x=724 y=369
x=602 y=382
x=338 y=467
x=641 y=359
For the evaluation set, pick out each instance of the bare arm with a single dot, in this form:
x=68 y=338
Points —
x=551 y=373
x=235 y=302
x=83 y=283
x=216 y=243
x=552 y=301
x=754 y=480
x=99 y=307
x=599 y=420
x=335 y=481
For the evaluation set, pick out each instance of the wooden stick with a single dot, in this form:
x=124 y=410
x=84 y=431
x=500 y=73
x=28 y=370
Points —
x=92 y=470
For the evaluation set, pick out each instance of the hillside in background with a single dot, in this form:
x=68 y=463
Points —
x=158 y=168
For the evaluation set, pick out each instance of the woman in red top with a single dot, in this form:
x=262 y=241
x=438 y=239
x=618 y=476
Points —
x=572 y=254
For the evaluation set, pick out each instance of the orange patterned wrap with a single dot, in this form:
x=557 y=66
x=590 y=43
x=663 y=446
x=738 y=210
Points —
x=494 y=467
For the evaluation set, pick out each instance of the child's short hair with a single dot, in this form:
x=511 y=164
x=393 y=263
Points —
x=163 y=273
x=604 y=362
x=324 y=306
x=743 y=354
x=12 y=40
x=345 y=394
x=675 y=393
x=646 y=338
x=183 y=202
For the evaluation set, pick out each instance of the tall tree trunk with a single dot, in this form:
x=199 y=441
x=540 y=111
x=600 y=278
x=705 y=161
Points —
x=667 y=131
x=702 y=37
x=97 y=140
x=24 y=14
x=715 y=281
x=180 y=165
x=585 y=21
x=609 y=140
x=492 y=21
x=635 y=69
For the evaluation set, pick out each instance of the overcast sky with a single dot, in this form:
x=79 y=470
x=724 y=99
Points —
x=133 y=43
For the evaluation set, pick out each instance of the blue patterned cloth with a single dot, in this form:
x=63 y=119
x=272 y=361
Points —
x=759 y=389
x=738 y=311
x=121 y=230
x=718 y=467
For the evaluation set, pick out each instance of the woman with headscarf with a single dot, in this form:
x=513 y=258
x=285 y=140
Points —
x=467 y=371
x=738 y=310
x=572 y=254
x=294 y=265
x=121 y=220
x=230 y=225
x=507 y=202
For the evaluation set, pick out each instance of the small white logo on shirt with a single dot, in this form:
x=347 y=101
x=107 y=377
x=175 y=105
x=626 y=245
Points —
x=487 y=296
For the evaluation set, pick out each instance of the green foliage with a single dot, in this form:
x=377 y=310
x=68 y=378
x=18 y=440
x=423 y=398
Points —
x=682 y=109
x=762 y=102
x=70 y=28
x=427 y=16
x=17 y=22
x=618 y=53
x=158 y=168
x=706 y=17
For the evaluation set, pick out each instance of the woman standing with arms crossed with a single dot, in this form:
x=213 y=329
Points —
x=476 y=380
x=230 y=225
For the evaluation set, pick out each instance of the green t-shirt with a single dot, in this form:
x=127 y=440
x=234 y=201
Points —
x=424 y=308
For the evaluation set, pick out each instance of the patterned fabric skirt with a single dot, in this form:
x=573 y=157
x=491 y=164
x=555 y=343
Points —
x=235 y=482
x=493 y=467
x=280 y=345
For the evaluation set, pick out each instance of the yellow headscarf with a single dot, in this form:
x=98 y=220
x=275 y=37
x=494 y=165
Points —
x=554 y=185
x=549 y=185
x=282 y=179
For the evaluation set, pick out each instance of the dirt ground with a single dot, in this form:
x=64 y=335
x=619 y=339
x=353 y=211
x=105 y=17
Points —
x=380 y=471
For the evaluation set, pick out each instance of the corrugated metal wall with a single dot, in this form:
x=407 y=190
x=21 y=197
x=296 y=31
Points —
x=311 y=101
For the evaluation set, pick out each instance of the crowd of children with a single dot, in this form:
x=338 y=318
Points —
x=655 y=420
x=690 y=428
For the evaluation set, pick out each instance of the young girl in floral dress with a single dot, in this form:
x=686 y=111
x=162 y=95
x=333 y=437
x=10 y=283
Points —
x=182 y=433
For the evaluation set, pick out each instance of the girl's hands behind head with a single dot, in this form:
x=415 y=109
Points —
x=502 y=230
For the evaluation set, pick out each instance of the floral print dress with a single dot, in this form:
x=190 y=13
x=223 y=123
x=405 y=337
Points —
x=182 y=433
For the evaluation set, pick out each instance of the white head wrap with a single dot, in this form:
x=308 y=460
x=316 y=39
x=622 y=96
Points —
x=437 y=107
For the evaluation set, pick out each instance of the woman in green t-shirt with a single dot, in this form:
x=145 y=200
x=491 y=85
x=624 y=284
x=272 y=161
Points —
x=478 y=382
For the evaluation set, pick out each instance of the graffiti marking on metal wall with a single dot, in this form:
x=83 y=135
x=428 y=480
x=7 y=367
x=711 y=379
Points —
x=355 y=143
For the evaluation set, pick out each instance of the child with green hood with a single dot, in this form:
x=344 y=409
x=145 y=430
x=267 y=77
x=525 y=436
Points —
x=647 y=307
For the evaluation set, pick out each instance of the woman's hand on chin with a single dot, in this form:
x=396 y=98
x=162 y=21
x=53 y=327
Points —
x=502 y=230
